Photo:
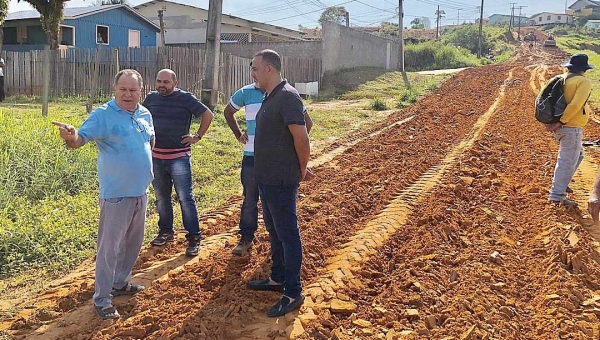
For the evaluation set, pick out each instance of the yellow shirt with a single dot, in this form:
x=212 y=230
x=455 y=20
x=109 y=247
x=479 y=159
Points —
x=577 y=91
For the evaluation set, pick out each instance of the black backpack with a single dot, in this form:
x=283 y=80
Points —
x=551 y=103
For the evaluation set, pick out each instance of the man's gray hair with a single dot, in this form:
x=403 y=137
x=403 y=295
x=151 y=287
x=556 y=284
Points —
x=270 y=57
x=129 y=72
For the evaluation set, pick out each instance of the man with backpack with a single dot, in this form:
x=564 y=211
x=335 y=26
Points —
x=568 y=130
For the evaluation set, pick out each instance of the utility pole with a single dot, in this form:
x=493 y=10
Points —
x=210 y=83
x=401 y=36
x=162 y=26
x=458 y=17
x=437 y=22
x=480 y=31
x=512 y=16
x=519 y=31
x=347 y=15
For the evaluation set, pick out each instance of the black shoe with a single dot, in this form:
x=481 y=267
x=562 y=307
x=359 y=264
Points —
x=569 y=190
x=284 y=306
x=266 y=284
x=193 y=245
x=242 y=247
x=162 y=238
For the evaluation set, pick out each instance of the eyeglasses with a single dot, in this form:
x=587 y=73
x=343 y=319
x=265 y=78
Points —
x=137 y=125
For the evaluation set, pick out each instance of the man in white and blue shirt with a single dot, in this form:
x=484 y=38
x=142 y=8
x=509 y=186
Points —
x=250 y=98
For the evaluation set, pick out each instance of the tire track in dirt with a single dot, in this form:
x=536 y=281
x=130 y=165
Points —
x=347 y=194
x=440 y=278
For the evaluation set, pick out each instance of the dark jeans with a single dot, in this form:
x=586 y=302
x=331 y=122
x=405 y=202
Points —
x=279 y=213
x=249 y=214
x=169 y=173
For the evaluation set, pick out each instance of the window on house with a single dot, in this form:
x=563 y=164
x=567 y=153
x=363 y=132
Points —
x=549 y=18
x=558 y=17
x=540 y=19
x=67 y=35
x=102 y=35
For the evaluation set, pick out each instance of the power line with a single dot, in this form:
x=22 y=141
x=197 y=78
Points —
x=294 y=16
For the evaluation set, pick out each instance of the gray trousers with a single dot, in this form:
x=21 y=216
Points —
x=570 y=155
x=120 y=238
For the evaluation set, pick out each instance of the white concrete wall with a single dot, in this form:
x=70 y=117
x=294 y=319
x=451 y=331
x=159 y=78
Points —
x=344 y=47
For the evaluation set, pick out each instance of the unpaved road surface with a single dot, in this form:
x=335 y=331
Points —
x=432 y=225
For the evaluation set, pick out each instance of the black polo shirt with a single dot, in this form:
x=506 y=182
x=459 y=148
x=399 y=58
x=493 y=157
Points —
x=275 y=158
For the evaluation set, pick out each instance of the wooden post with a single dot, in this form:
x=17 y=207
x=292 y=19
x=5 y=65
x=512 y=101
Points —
x=46 y=85
x=210 y=83
x=94 y=83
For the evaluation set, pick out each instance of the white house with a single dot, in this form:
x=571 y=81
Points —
x=547 y=18
x=185 y=24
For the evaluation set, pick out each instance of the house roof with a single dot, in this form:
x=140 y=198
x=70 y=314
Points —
x=507 y=16
x=593 y=20
x=591 y=2
x=78 y=12
x=228 y=15
x=535 y=15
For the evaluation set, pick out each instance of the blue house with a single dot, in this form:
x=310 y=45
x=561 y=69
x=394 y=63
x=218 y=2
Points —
x=82 y=27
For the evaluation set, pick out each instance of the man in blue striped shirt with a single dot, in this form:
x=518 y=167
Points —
x=172 y=110
x=250 y=98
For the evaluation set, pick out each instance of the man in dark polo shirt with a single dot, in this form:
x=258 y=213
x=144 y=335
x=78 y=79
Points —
x=172 y=110
x=281 y=152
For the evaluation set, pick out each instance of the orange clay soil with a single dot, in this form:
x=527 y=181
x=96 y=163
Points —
x=433 y=228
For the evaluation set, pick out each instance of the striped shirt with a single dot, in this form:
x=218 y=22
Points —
x=250 y=97
x=172 y=116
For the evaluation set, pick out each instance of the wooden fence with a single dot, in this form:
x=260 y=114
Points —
x=71 y=71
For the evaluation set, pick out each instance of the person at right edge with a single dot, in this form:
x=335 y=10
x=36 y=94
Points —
x=568 y=132
x=281 y=153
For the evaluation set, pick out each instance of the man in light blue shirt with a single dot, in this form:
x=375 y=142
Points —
x=124 y=134
x=250 y=98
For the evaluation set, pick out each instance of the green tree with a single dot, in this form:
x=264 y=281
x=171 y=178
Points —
x=335 y=14
x=388 y=29
x=581 y=21
x=3 y=14
x=417 y=23
x=467 y=36
x=51 y=14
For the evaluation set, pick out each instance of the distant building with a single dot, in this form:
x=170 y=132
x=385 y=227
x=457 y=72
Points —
x=504 y=19
x=593 y=24
x=547 y=18
x=185 y=24
x=82 y=27
x=584 y=8
x=312 y=33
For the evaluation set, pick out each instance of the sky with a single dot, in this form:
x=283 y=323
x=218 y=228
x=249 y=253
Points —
x=291 y=13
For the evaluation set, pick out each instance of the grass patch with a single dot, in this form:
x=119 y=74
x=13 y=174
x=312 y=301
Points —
x=378 y=104
x=577 y=43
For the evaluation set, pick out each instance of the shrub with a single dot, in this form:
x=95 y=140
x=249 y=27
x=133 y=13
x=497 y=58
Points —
x=434 y=55
x=378 y=104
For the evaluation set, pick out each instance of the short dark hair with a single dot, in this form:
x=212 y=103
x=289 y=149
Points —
x=270 y=57
x=129 y=72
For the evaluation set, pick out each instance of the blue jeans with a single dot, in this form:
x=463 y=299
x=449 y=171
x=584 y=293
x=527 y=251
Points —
x=169 y=173
x=249 y=214
x=281 y=221
x=570 y=155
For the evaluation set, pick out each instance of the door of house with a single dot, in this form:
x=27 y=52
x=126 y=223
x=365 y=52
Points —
x=134 y=38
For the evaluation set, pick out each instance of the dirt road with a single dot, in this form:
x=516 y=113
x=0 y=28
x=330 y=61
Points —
x=433 y=225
